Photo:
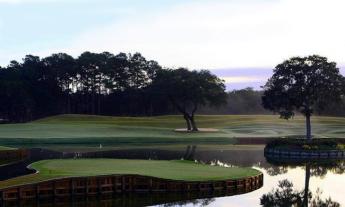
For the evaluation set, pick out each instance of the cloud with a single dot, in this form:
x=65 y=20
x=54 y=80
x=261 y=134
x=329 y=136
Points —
x=220 y=34
x=215 y=33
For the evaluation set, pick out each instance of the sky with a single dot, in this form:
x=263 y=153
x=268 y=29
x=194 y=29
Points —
x=241 y=41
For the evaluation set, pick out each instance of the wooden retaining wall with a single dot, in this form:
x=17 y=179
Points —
x=326 y=154
x=112 y=184
x=14 y=154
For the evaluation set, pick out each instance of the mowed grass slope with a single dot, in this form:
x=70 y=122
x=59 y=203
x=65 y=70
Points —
x=91 y=130
x=49 y=169
x=5 y=148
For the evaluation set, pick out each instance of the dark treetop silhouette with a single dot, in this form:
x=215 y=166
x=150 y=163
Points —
x=303 y=85
x=99 y=83
x=91 y=84
x=121 y=85
x=188 y=90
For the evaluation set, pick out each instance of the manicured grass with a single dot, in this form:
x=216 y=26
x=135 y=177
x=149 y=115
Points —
x=91 y=131
x=5 y=148
x=168 y=147
x=175 y=170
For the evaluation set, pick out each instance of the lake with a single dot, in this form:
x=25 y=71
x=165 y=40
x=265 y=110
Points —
x=324 y=179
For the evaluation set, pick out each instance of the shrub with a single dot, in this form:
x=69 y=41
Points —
x=314 y=144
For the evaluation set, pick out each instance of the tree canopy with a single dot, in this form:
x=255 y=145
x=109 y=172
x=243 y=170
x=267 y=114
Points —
x=303 y=84
x=188 y=90
x=93 y=83
x=102 y=84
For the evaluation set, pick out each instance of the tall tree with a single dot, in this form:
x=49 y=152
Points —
x=16 y=101
x=63 y=72
x=42 y=85
x=303 y=84
x=91 y=72
x=188 y=90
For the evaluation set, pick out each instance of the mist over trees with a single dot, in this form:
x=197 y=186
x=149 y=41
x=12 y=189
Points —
x=243 y=101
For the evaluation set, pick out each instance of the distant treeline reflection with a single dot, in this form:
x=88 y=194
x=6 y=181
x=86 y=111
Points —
x=317 y=168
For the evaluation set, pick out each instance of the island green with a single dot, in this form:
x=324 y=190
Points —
x=174 y=170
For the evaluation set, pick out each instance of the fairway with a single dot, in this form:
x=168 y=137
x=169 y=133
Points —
x=49 y=169
x=88 y=130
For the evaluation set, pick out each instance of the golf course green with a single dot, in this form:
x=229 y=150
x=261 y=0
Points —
x=50 y=169
x=95 y=131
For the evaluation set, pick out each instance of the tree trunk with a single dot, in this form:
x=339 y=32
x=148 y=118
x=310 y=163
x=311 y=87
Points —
x=69 y=103
x=306 y=185
x=192 y=121
x=308 y=127
x=93 y=103
x=99 y=104
x=189 y=127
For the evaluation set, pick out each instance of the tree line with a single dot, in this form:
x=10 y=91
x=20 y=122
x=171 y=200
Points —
x=131 y=85
x=102 y=84
x=248 y=101
x=93 y=83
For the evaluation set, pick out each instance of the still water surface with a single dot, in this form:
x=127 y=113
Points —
x=324 y=180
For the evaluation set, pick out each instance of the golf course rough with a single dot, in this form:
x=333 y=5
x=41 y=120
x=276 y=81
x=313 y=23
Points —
x=178 y=170
x=90 y=131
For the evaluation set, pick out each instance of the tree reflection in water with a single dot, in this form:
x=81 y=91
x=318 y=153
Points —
x=198 y=202
x=286 y=196
x=276 y=170
x=164 y=199
x=317 y=168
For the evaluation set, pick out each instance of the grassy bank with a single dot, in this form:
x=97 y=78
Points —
x=5 y=148
x=49 y=169
x=91 y=131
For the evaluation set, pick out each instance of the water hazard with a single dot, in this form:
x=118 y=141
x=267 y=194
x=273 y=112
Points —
x=284 y=181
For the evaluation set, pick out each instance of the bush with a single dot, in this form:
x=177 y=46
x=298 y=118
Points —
x=314 y=144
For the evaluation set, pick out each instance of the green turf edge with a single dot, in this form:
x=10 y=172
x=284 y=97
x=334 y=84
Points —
x=93 y=131
x=2 y=148
x=171 y=170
